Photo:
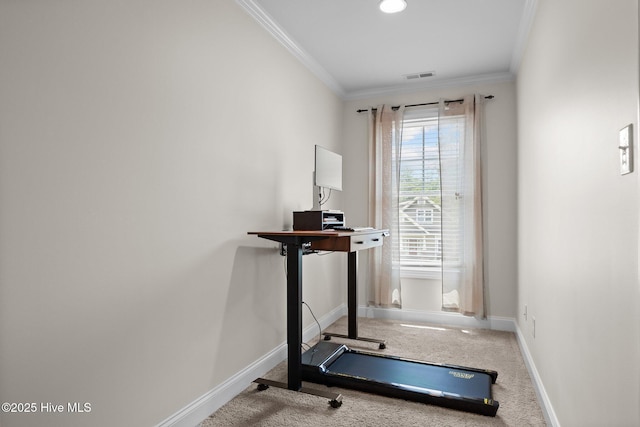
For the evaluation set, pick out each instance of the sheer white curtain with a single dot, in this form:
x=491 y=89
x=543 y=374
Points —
x=385 y=139
x=461 y=186
x=459 y=135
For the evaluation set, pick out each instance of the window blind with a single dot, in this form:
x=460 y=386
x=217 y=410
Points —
x=429 y=144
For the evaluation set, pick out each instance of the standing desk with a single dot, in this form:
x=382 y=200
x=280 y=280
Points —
x=451 y=386
x=327 y=240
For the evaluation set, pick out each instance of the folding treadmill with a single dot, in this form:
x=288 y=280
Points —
x=456 y=387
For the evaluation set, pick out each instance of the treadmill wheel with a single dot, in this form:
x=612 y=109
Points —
x=262 y=387
x=327 y=337
x=335 y=403
x=382 y=346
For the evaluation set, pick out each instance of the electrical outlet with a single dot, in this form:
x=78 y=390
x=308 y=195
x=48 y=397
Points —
x=533 y=326
x=525 y=312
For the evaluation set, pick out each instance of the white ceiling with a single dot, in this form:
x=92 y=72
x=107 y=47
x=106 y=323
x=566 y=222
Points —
x=359 y=51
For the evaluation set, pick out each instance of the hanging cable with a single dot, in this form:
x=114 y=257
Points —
x=314 y=318
x=324 y=198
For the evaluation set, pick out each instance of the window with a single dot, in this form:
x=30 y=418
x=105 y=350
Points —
x=421 y=184
x=426 y=183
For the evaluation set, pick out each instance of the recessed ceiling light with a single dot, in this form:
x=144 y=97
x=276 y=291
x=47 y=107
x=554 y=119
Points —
x=392 y=6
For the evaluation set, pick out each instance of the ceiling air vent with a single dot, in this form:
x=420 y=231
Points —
x=418 y=76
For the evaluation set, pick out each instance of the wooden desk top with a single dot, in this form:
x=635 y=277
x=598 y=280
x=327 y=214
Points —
x=328 y=240
x=318 y=233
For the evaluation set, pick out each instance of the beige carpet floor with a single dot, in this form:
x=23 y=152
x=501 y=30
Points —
x=477 y=348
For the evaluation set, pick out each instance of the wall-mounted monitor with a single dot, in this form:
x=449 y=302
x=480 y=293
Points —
x=328 y=169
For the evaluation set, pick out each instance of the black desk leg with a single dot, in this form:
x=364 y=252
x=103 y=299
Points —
x=352 y=295
x=294 y=316
x=294 y=332
x=352 y=306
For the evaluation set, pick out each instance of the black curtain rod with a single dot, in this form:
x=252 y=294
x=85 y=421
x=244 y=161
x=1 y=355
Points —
x=420 y=105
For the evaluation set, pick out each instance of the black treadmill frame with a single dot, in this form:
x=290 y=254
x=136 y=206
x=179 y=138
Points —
x=320 y=373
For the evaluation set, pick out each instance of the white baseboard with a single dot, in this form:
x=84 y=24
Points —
x=194 y=413
x=547 y=409
x=440 y=317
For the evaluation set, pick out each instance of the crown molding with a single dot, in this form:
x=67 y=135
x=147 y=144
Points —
x=526 y=22
x=279 y=34
x=433 y=84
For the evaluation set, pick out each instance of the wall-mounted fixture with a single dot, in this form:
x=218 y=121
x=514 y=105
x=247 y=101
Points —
x=625 y=145
x=392 y=6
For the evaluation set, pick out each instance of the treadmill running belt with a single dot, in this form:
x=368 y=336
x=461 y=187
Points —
x=412 y=375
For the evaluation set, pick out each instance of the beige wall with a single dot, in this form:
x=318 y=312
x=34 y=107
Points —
x=577 y=216
x=139 y=142
x=499 y=174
